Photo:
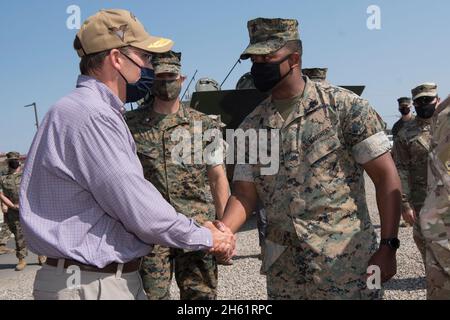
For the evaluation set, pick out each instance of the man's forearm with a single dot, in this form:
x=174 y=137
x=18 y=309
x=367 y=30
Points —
x=241 y=204
x=6 y=201
x=388 y=194
x=220 y=190
x=235 y=214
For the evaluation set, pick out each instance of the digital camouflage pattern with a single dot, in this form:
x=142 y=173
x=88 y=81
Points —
x=168 y=62
x=195 y=272
x=5 y=233
x=316 y=203
x=398 y=126
x=411 y=149
x=185 y=186
x=9 y=186
x=435 y=215
x=270 y=35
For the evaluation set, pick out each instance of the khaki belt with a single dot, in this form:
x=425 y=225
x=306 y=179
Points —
x=128 y=267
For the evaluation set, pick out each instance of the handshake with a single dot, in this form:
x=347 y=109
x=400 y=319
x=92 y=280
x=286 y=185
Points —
x=224 y=241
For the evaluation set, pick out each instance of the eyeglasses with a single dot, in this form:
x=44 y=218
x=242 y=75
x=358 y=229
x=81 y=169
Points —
x=423 y=101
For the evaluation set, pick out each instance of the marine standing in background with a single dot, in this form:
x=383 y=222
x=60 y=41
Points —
x=198 y=190
x=9 y=194
x=411 y=150
x=404 y=107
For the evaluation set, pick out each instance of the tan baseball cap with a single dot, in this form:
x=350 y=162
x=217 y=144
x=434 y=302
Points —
x=116 y=28
x=428 y=89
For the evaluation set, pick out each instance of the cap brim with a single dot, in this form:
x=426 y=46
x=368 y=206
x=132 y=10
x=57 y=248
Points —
x=155 y=44
x=262 y=48
x=166 y=69
x=425 y=94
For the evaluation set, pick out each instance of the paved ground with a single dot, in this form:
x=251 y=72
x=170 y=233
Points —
x=242 y=280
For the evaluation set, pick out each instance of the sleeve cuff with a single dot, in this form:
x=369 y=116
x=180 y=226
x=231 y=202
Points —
x=201 y=240
x=371 y=148
x=243 y=172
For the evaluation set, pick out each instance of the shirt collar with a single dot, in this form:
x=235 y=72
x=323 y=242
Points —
x=307 y=103
x=165 y=122
x=103 y=90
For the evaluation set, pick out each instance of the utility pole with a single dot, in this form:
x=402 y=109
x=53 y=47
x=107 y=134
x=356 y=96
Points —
x=35 y=113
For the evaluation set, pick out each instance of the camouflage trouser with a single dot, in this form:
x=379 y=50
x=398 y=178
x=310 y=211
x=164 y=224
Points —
x=438 y=271
x=300 y=275
x=13 y=221
x=418 y=236
x=5 y=233
x=195 y=273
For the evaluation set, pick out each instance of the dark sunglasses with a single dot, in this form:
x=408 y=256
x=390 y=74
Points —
x=423 y=101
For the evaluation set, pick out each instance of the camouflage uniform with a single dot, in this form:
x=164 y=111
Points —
x=398 y=126
x=319 y=237
x=9 y=186
x=400 y=123
x=5 y=233
x=411 y=149
x=435 y=214
x=185 y=186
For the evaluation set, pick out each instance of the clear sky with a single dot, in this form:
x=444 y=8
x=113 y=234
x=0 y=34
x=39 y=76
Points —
x=39 y=65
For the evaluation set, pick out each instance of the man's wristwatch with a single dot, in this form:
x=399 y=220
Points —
x=392 y=243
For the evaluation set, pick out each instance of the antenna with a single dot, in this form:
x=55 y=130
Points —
x=239 y=61
x=187 y=88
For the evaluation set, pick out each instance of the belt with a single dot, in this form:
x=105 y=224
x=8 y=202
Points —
x=128 y=267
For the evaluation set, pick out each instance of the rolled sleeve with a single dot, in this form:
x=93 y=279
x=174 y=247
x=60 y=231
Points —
x=371 y=148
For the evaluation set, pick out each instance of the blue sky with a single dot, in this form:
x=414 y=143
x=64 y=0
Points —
x=38 y=64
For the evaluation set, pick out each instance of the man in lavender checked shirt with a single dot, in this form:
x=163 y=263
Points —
x=84 y=200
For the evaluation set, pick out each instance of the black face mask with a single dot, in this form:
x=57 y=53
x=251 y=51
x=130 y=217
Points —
x=426 y=111
x=405 y=111
x=267 y=75
x=13 y=164
x=140 y=89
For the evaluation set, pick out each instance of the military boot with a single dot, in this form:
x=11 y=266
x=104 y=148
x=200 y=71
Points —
x=41 y=260
x=21 y=265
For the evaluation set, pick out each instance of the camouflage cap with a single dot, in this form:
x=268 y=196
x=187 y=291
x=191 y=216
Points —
x=116 y=28
x=168 y=62
x=404 y=100
x=428 y=89
x=13 y=155
x=270 y=35
x=315 y=73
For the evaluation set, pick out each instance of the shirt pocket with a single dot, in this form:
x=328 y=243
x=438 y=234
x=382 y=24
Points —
x=322 y=159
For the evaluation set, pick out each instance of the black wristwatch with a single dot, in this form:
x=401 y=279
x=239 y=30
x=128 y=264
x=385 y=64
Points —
x=392 y=243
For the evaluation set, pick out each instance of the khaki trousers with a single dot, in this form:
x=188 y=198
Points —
x=57 y=283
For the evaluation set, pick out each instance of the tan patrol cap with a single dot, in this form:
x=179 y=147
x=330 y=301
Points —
x=404 y=100
x=428 y=89
x=117 y=28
